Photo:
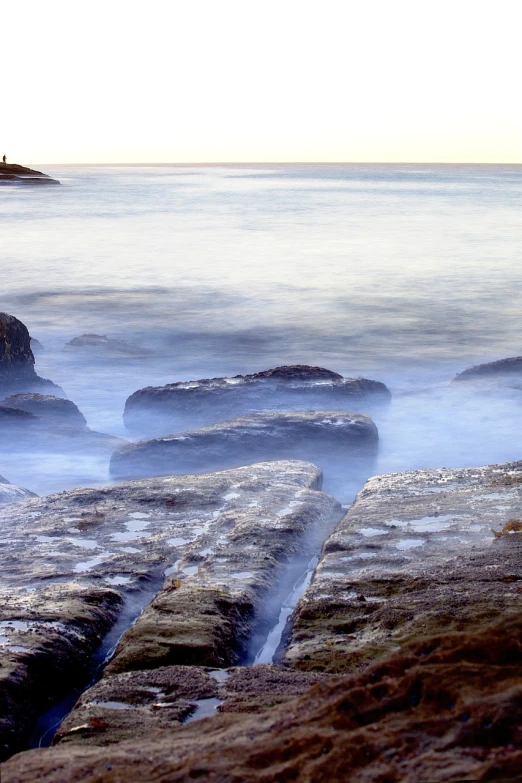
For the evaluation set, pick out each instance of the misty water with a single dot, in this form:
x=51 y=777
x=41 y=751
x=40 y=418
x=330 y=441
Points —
x=405 y=274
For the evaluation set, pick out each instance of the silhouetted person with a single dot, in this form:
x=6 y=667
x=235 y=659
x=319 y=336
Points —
x=4 y=159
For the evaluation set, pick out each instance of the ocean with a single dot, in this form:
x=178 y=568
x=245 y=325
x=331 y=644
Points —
x=406 y=274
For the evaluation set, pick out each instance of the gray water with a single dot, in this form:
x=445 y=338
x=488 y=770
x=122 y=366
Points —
x=406 y=274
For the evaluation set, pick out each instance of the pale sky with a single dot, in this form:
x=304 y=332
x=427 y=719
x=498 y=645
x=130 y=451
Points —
x=252 y=80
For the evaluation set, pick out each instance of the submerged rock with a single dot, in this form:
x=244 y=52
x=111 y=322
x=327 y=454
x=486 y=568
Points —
x=207 y=551
x=178 y=406
x=502 y=371
x=104 y=346
x=17 y=371
x=318 y=436
x=12 y=173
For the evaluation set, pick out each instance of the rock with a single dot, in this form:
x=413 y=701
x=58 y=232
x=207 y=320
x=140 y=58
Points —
x=11 y=173
x=56 y=426
x=432 y=633
x=503 y=371
x=178 y=406
x=9 y=493
x=105 y=346
x=318 y=436
x=36 y=346
x=191 y=545
x=419 y=553
x=48 y=408
x=448 y=711
x=120 y=706
x=17 y=360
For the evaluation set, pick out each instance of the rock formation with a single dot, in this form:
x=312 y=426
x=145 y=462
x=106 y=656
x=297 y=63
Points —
x=201 y=554
x=156 y=410
x=17 y=360
x=105 y=346
x=55 y=410
x=318 y=436
x=12 y=173
x=9 y=493
x=502 y=371
x=416 y=599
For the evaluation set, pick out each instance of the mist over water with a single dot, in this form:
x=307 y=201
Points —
x=403 y=274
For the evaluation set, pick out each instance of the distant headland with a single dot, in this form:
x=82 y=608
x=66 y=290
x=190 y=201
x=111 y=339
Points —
x=13 y=172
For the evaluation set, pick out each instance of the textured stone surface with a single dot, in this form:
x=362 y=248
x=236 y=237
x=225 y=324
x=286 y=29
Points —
x=10 y=493
x=71 y=562
x=319 y=436
x=156 y=410
x=17 y=371
x=418 y=553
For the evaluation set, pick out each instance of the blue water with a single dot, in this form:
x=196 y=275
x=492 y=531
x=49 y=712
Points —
x=406 y=274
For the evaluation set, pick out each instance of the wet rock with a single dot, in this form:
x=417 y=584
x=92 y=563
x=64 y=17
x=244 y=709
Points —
x=47 y=638
x=123 y=706
x=48 y=407
x=504 y=371
x=419 y=553
x=186 y=404
x=318 y=436
x=201 y=543
x=13 y=173
x=17 y=371
x=446 y=708
x=105 y=346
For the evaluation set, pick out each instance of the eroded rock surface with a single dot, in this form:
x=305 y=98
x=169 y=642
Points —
x=156 y=410
x=419 y=553
x=10 y=493
x=213 y=548
x=319 y=436
x=17 y=371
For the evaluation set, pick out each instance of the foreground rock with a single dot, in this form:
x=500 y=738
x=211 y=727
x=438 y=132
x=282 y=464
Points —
x=419 y=553
x=14 y=173
x=447 y=708
x=319 y=436
x=432 y=633
x=505 y=371
x=17 y=371
x=208 y=551
x=183 y=405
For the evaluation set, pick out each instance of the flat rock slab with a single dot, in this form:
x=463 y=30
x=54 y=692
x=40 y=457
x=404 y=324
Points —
x=217 y=542
x=121 y=706
x=419 y=553
x=156 y=410
x=319 y=436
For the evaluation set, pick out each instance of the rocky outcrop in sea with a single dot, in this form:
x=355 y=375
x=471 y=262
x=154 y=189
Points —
x=17 y=373
x=14 y=173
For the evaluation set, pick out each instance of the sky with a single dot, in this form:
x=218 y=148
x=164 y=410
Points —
x=237 y=81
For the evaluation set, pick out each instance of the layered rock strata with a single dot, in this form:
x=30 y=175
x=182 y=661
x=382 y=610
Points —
x=156 y=410
x=207 y=551
x=319 y=436
x=17 y=371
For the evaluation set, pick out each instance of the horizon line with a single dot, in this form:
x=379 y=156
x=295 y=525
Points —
x=289 y=163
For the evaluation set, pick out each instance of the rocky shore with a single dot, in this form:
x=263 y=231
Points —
x=221 y=617
x=14 y=173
